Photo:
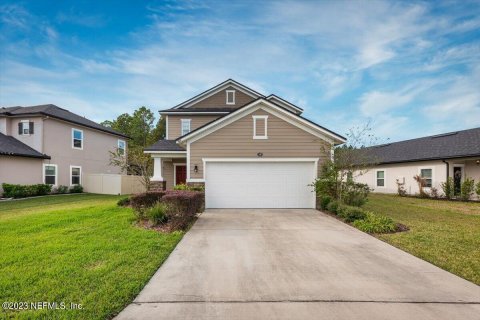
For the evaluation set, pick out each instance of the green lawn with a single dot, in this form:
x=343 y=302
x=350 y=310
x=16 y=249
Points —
x=75 y=249
x=446 y=234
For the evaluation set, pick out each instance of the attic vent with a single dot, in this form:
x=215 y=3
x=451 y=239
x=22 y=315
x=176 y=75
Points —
x=444 y=135
x=383 y=145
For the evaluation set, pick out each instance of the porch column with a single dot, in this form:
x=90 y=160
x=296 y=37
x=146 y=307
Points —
x=157 y=169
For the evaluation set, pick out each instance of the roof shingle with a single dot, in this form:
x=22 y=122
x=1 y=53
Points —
x=165 y=145
x=10 y=146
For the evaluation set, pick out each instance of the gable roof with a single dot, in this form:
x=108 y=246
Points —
x=215 y=89
x=338 y=139
x=54 y=111
x=457 y=144
x=284 y=103
x=10 y=146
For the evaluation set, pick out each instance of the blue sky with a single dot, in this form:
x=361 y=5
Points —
x=410 y=68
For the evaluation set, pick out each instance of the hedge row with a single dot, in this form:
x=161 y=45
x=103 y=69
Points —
x=24 y=191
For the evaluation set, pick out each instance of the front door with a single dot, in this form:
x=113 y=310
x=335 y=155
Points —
x=180 y=174
x=457 y=180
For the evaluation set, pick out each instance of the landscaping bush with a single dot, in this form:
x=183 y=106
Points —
x=22 y=191
x=350 y=214
x=158 y=213
x=422 y=183
x=355 y=194
x=124 y=202
x=477 y=189
x=373 y=223
x=333 y=206
x=434 y=193
x=76 y=189
x=401 y=188
x=142 y=201
x=188 y=188
x=323 y=201
x=447 y=188
x=466 y=189
x=60 y=190
x=183 y=207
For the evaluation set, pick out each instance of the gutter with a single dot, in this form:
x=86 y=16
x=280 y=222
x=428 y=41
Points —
x=448 y=168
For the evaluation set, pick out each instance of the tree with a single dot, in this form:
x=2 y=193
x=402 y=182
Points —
x=137 y=163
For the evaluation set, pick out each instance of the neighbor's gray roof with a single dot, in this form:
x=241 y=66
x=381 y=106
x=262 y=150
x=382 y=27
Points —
x=165 y=145
x=12 y=147
x=456 y=144
x=58 y=113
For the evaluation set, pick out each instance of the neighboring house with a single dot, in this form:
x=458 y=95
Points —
x=247 y=149
x=453 y=154
x=48 y=144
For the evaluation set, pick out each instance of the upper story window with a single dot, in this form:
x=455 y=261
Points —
x=77 y=139
x=230 y=97
x=185 y=126
x=260 y=127
x=25 y=127
x=121 y=147
x=427 y=175
x=380 y=178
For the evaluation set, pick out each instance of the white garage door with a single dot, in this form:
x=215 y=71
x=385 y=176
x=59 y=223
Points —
x=259 y=185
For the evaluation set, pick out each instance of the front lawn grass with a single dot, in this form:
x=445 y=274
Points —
x=446 y=234
x=79 y=249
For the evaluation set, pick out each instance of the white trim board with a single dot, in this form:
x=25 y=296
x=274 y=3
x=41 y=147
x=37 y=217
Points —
x=270 y=108
x=216 y=89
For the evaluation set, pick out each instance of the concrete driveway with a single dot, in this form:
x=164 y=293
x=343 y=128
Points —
x=296 y=264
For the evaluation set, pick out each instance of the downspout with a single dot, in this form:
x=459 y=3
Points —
x=448 y=168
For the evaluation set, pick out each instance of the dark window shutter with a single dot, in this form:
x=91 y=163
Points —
x=30 y=127
x=19 y=128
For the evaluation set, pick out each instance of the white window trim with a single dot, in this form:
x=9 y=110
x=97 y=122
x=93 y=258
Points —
x=384 y=178
x=233 y=95
x=182 y=121
x=264 y=118
x=28 y=127
x=433 y=175
x=175 y=165
x=56 y=173
x=83 y=138
x=71 y=176
x=124 y=146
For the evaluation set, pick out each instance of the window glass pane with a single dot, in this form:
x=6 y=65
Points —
x=77 y=143
x=75 y=171
x=77 y=134
x=428 y=183
x=49 y=170
x=185 y=127
x=426 y=173
x=75 y=179
x=380 y=182
x=50 y=179
x=380 y=174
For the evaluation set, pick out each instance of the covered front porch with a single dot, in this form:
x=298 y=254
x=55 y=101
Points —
x=169 y=165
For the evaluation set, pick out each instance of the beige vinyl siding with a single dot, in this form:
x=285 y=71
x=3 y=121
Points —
x=236 y=140
x=168 y=171
x=174 y=124
x=219 y=100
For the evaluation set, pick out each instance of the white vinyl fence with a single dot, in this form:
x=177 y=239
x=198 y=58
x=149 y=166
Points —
x=112 y=183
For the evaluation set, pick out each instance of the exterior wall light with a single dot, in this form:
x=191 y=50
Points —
x=195 y=169
x=478 y=162
x=260 y=154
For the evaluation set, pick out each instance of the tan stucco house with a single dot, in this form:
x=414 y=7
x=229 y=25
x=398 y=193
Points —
x=435 y=158
x=248 y=150
x=48 y=144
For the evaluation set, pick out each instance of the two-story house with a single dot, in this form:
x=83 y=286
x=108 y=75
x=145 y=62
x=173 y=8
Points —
x=248 y=150
x=48 y=144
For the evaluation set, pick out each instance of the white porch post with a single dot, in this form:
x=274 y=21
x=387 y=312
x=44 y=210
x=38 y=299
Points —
x=157 y=169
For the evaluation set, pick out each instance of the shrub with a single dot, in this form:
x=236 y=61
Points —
x=158 y=213
x=76 y=189
x=350 y=214
x=188 y=187
x=447 y=188
x=142 y=201
x=373 y=223
x=323 y=201
x=434 y=193
x=477 y=189
x=333 y=206
x=22 y=191
x=123 y=202
x=401 y=188
x=60 y=190
x=183 y=207
x=466 y=189
x=355 y=194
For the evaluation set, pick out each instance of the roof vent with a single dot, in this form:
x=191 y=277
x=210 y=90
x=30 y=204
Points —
x=383 y=145
x=444 y=135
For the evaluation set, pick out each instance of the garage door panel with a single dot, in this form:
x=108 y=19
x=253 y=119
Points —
x=259 y=184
